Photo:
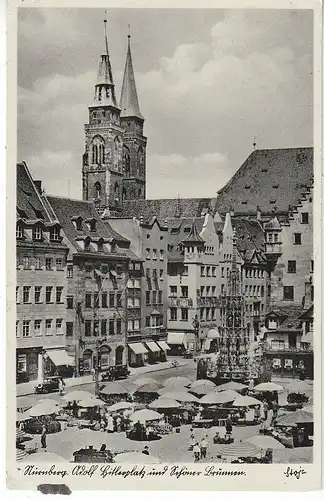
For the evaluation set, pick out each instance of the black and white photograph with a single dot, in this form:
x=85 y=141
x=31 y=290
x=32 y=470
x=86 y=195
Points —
x=164 y=237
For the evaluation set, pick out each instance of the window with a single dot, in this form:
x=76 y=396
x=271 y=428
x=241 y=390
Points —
x=154 y=254
x=130 y=302
x=304 y=218
x=26 y=328
x=223 y=272
x=288 y=293
x=173 y=314
x=19 y=232
x=70 y=271
x=160 y=296
x=59 y=293
x=154 y=298
x=184 y=314
x=88 y=300
x=17 y=294
x=104 y=300
x=137 y=302
x=119 y=300
x=207 y=291
x=88 y=269
x=48 y=327
x=154 y=274
x=96 y=300
x=137 y=283
x=262 y=291
x=136 y=325
x=96 y=328
x=213 y=313
x=48 y=263
x=111 y=300
x=148 y=298
x=37 y=327
x=69 y=302
x=58 y=326
x=213 y=291
x=130 y=284
x=26 y=294
x=208 y=271
x=38 y=263
x=222 y=289
x=246 y=289
x=297 y=238
x=129 y=325
x=185 y=271
x=173 y=291
x=131 y=266
x=26 y=262
x=118 y=326
x=275 y=237
x=59 y=264
x=55 y=234
x=87 y=328
x=17 y=328
x=137 y=266
x=291 y=266
x=147 y=321
x=311 y=266
x=37 y=233
x=48 y=294
x=207 y=313
x=184 y=291
x=213 y=272
x=272 y=324
x=69 y=329
x=202 y=271
x=161 y=254
x=148 y=273
x=111 y=327
x=147 y=253
x=103 y=327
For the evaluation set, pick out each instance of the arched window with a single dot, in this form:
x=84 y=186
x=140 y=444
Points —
x=124 y=195
x=126 y=162
x=98 y=150
x=116 y=192
x=119 y=355
x=97 y=187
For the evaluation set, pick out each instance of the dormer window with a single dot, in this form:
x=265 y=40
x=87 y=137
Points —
x=19 y=232
x=87 y=242
x=91 y=224
x=272 y=324
x=37 y=233
x=100 y=245
x=55 y=234
x=77 y=222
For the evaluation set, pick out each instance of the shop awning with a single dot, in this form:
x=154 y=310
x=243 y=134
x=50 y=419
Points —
x=164 y=346
x=138 y=348
x=153 y=346
x=176 y=338
x=60 y=357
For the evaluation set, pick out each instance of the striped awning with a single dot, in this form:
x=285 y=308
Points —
x=138 y=348
x=164 y=346
x=176 y=338
x=60 y=357
x=153 y=347
x=240 y=449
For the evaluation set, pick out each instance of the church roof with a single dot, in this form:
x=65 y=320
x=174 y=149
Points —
x=268 y=179
x=129 y=100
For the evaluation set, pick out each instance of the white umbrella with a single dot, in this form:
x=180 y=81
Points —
x=232 y=385
x=268 y=387
x=202 y=383
x=265 y=442
x=219 y=397
x=91 y=403
x=298 y=386
x=22 y=417
x=162 y=403
x=135 y=457
x=77 y=396
x=144 y=380
x=240 y=449
x=122 y=405
x=49 y=400
x=42 y=409
x=177 y=381
x=182 y=396
x=145 y=416
x=246 y=401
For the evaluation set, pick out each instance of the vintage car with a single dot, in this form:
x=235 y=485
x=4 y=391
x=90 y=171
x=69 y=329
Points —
x=115 y=373
x=35 y=426
x=49 y=384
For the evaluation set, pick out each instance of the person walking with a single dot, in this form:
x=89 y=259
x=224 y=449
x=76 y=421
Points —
x=196 y=452
x=275 y=410
x=203 y=447
x=265 y=409
x=93 y=373
x=43 y=437
x=229 y=425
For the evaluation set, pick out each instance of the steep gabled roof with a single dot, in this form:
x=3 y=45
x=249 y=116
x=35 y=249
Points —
x=249 y=238
x=291 y=315
x=193 y=235
x=167 y=208
x=30 y=204
x=268 y=179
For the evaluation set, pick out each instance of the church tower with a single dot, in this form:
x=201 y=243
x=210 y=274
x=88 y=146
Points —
x=102 y=169
x=134 y=146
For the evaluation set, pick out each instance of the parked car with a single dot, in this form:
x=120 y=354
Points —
x=49 y=384
x=115 y=373
x=35 y=426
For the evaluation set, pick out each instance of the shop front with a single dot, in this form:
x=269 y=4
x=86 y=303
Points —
x=57 y=361
x=154 y=352
x=165 y=348
x=27 y=361
x=137 y=354
x=177 y=343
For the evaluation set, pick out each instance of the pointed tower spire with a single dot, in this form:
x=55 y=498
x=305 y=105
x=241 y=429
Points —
x=105 y=88
x=128 y=99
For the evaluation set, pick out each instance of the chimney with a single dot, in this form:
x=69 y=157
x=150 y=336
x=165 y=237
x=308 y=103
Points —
x=38 y=185
x=259 y=214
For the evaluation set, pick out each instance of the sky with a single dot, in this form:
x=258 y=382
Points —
x=210 y=82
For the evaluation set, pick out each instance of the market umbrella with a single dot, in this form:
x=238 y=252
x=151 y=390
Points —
x=144 y=380
x=268 y=387
x=91 y=403
x=112 y=388
x=294 y=418
x=122 y=405
x=23 y=403
x=202 y=383
x=164 y=403
x=45 y=456
x=265 y=442
x=182 y=396
x=151 y=388
x=50 y=401
x=145 y=415
x=219 y=397
x=22 y=417
x=246 y=401
x=41 y=409
x=21 y=454
x=298 y=386
x=135 y=457
x=309 y=408
x=176 y=381
x=232 y=385
x=240 y=449
x=201 y=391
x=77 y=396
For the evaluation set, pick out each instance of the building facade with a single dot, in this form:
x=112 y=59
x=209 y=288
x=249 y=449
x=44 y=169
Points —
x=40 y=286
x=114 y=161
